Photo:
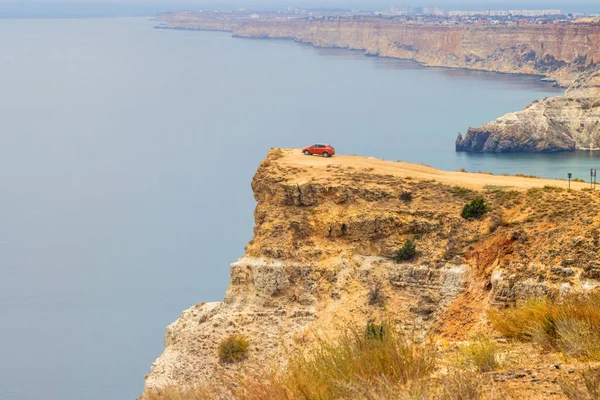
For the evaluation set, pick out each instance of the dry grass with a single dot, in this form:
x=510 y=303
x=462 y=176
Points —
x=481 y=353
x=233 y=349
x=357 y=358
x=590 y=389
x=460 y=385
x=571 y=326
x=358 y=364
x=177 y=393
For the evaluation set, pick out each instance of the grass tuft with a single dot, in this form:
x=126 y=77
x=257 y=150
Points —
x=571 y=326
x=461 y=385
x=480 y=353
x=366 y=357
x=233 y=349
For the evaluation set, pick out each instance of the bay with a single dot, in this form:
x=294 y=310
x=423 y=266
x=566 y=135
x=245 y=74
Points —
x=126 y=156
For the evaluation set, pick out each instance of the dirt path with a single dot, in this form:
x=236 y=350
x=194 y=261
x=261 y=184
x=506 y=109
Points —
x=319 y=168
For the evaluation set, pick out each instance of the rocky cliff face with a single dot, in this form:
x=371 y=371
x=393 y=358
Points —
x=564 y=53
x=551 y=125
x=321 y=256
x=556 y=51
x=560 y=52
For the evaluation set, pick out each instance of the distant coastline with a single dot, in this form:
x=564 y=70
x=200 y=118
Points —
x=562 y=54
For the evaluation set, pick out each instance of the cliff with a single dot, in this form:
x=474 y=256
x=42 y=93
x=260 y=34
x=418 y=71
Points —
x=558 y=51
x=555 y=124
x=564 y=53
x=324 y=236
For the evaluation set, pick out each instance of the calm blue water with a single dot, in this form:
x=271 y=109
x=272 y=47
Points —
x=126 y=156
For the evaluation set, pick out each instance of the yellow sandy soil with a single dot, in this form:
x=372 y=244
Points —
x=316 y=168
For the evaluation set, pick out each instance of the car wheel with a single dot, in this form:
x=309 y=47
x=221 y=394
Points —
x=325 y=154
x=306 y=152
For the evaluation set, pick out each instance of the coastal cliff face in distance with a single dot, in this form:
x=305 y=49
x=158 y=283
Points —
x=564 y=53
x=563 y=123
x=552 y=125
x=322 y=256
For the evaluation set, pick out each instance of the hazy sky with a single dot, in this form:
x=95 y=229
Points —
x=74 y=8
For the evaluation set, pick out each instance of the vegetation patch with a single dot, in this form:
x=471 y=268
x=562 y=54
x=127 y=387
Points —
x=406 y=196
x=591 y=389
x=332 y=370
x=475 y=209
x=462 y=192
x=481 y=353
x=571 y=325
x=461 y=385
x=376 y=298
x=375 y=331
x=407 y=252
x=234 y=349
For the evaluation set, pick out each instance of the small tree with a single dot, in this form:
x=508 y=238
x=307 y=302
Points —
x=406 y=252
x=233 y=349
x=475 y=209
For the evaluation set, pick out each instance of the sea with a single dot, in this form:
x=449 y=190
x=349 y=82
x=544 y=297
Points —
x=126 y=157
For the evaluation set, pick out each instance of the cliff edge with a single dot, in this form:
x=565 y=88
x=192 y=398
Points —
x=326 y=230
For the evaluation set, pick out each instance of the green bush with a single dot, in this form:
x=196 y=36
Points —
x=406 y=252
x=233 y=349
x=475 y=209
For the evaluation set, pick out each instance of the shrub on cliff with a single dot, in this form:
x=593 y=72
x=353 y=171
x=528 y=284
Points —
x=475 y=209
x=233 y=349
x=406 y=252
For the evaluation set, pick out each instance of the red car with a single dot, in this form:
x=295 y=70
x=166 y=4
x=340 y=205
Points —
x=324 y=150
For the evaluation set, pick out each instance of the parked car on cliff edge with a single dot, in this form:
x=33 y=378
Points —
x=324 y=150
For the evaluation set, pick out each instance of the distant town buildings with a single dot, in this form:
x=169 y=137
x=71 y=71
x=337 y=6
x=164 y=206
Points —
x=504 y=13
x=413 y=16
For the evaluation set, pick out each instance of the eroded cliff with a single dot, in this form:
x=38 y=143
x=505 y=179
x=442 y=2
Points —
x=326 y=230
